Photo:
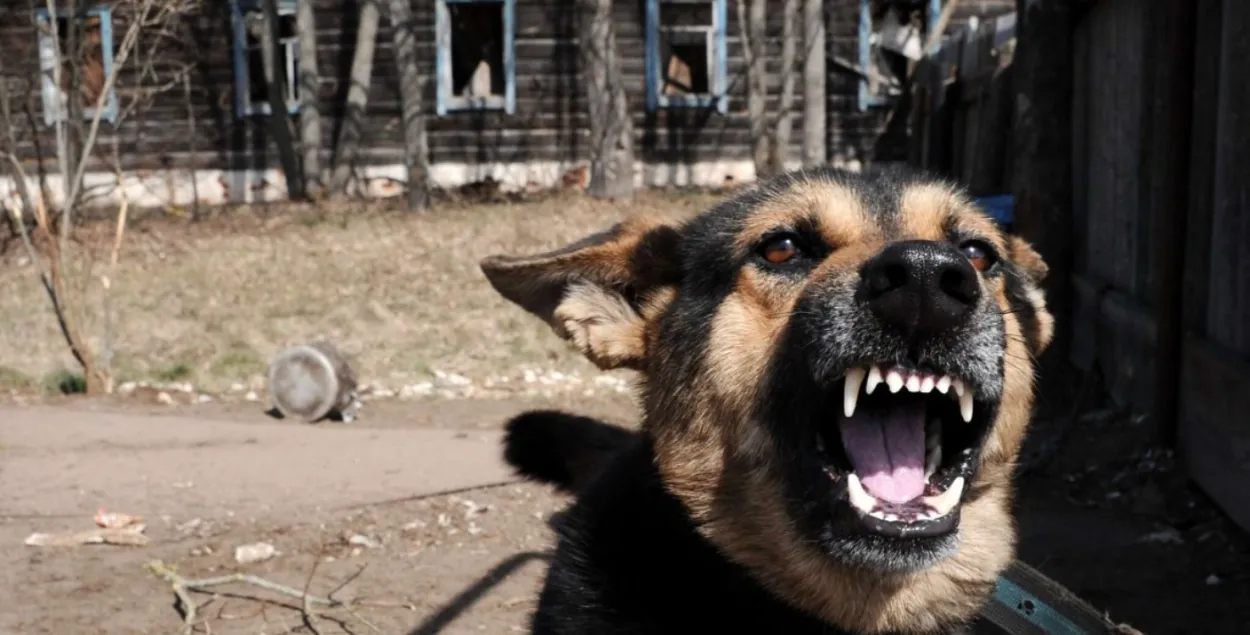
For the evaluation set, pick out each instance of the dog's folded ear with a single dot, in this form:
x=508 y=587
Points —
x=600 y=292
x=1027 y=259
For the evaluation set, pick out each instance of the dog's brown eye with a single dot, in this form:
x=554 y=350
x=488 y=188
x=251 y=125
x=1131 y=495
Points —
x=979 y=254
x=780 y=250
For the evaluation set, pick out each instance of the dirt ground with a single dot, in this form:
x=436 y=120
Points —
x=410 y=510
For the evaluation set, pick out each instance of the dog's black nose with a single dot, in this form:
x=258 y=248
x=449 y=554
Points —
x=921 y=287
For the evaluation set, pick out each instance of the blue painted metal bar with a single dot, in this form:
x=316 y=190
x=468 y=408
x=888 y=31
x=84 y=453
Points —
x=865 y=52
x=720 y=25
x=1038 y=612
x=509 y=56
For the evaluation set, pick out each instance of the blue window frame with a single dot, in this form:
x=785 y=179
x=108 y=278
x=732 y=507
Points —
x=251 y=93
x=686 y=54
x=98 y=20
x=869 y=98
x=475 y=56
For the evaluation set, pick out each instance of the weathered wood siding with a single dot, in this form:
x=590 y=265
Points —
x=172 y=131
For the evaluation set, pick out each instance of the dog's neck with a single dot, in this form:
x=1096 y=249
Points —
x=650 y=554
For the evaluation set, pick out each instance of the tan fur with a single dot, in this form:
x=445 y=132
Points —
x=839 y=213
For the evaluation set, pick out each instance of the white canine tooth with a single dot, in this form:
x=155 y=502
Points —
x=944 y=384
x=926 y=385
x=965 y=405
x=958 y=385
x=894 y=380
x=913 y=383
x=893 y=518
x=874 y=379
x=850 y=392
x=943 y=503
x=860 y=497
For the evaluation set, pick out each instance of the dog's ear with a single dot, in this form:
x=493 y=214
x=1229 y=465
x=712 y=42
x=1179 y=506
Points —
x=601 y=292
x=1027 y=259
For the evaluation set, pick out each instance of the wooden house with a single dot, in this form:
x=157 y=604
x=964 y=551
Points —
x=504 y=98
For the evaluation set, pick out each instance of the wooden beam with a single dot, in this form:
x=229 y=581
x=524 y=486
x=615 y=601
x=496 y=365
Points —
x=1042 y=144
x=1171 y=29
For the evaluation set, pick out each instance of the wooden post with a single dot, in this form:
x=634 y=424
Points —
x=814 y=77
x=279 y=123
x=1170 y=73
x=1042 y=145
x=611 y=129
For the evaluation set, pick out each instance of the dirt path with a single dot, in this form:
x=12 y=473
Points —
x=376 y=495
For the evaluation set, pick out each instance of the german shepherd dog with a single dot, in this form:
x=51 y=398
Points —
x=836 y=373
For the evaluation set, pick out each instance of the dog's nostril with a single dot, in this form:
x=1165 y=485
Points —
x=886 y=277
x=956 y=283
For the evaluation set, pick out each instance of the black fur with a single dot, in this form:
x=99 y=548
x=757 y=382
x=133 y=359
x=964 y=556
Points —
x=629 y=560
x=561 y=449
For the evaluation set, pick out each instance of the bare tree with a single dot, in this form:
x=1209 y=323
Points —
x=348 y=143
x=611 y=129
x=309 y=91
x=783 y=119
x=416 y=147
x=814 y=78
x=78 y=71
x=753 y=19
x=770 y=132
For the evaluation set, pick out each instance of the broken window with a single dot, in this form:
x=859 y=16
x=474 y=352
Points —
x=475 y=55
x=84 y=58
x=251 y=79
x=685 y=53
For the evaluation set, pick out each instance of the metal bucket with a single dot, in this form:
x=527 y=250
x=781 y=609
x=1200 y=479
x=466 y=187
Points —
x=312 y=382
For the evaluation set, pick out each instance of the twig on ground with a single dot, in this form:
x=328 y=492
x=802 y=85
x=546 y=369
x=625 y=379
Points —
x=310 y=619
x=183 y=587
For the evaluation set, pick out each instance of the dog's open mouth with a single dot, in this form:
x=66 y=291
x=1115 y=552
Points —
x=904 y=447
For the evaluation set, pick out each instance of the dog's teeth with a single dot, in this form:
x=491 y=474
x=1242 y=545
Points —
x=850 y=392
x=943 y=503
x=913 y=383
x=926 y=385
x=965 y=405
x=893 y=518
x=958 y=385
x=874 y=379
x=860 y=497
x=944 y=384
x=894 y=380
x=933 y=445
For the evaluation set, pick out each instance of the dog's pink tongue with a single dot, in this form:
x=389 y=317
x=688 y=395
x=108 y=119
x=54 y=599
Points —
x=887 y=449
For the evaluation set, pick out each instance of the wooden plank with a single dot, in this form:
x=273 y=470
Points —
x=1118 y=336
x=1207 y=56
x=1228 y=317
x=1215 y=435
x=1172 y=32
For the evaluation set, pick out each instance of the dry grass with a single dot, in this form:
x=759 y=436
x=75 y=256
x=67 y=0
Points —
x=213 y=300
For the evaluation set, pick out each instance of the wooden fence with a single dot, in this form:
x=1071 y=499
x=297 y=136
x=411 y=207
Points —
x=1160 y=205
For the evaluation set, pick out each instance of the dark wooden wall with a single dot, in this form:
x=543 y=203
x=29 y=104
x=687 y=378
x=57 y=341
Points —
x=1160 y=216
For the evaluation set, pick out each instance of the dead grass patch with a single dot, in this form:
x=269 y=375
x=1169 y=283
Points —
x=401 y=294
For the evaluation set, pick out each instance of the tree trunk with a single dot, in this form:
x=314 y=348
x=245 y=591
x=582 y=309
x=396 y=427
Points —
x=814 y=152
x=780 y=146
x=279 y=123
x=752 y=17
x=416 y=151
x=611 y=130
x=357 y=97
x=309 y=89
